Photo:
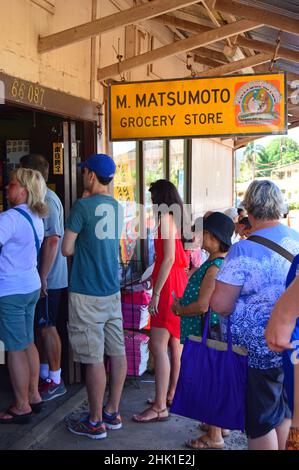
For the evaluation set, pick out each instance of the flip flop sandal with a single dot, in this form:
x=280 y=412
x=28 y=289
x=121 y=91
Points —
x=15 y=418
x=156 y=419
x=205 y=427
x=37 y=407
x=293 y=439
x=151 y=401
x=206 y=444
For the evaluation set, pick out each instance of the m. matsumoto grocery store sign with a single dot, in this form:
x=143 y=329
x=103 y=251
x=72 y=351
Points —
x=200 y=107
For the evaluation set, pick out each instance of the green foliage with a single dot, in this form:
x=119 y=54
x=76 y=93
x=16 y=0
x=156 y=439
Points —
x=293 y=205
x=283 y=150
x=260 y=161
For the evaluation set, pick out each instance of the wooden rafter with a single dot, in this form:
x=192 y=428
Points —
x=210 y=54
x=45 y=5
x=205 y=61
x=283 y=52
x=188 y=44
x=123 y=18
x=266 y=17
x=237 y=65
x=194 y=28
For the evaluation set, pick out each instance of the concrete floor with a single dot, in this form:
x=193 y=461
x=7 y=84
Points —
x=169 y=435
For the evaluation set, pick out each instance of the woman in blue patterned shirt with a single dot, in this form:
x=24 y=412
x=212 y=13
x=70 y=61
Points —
x=249 y=282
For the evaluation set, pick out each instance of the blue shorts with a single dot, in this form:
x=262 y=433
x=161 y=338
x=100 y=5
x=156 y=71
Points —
x=47 y=308
x=267 y=404
x=17 y=320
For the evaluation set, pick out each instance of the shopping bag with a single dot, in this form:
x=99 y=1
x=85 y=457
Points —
x=212 y=382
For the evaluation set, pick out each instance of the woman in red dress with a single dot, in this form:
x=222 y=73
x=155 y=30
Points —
x=169 y=279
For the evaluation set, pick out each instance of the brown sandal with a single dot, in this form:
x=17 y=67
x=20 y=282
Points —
x=293 y=439
x=151 y=420
x=205 y=443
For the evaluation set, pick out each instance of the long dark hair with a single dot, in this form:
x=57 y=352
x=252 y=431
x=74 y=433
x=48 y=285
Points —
x=165 y=192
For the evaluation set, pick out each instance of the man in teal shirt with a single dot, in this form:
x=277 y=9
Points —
x=95 y=318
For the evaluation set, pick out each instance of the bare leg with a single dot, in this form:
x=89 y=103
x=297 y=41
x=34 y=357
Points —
x=216 y=435
x=33 y=361
x=212 y=440
x=95 y=384
x=159 y=347
x=52 y=347
x=118 y=372
x=20 y=377
x=282 y=432
x=40 y=346
x=176 y=352
x=267 y=442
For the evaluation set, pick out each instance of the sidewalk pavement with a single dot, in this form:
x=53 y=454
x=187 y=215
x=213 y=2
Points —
x=51 y=433
x=11 y=434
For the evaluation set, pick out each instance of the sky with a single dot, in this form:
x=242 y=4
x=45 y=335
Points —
x=292 y=133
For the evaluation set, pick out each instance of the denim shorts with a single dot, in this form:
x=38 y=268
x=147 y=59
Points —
x=267 y=404
x=17 y=320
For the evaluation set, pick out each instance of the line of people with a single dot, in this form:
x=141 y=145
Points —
x=243 y=279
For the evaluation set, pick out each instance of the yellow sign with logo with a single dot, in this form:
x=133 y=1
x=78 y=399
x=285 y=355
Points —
x=58 y=158
x=202 y=107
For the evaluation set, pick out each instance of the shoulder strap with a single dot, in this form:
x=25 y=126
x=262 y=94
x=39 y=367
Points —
x=272 y=246
x=27 y=216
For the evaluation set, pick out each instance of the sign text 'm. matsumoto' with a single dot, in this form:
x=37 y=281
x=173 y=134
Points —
x=235 y=105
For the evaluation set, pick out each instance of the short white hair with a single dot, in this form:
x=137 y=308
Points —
x=263 y=200
x=232 y=213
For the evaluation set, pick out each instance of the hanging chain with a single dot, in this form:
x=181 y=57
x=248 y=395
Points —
x=119 y=58
x=189 y=66
x=278 y=40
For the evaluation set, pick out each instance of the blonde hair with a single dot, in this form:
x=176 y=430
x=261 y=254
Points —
x=36 y=187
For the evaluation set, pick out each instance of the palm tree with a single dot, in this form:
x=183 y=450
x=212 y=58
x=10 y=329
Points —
x=250 y=156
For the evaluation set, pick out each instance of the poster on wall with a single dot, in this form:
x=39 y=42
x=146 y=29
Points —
x=15 y=149
x=124 y=193
x=235 y=105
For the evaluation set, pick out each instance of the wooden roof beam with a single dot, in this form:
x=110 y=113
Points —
x=283 y=52
x=205 y=61
x=290 y=75
x=210 y=54
x=190 y=26
x=107 y=23
x=262 y=15
x=185 y=45
x=237 y=65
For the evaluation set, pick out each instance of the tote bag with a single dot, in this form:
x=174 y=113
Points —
x=212 y=383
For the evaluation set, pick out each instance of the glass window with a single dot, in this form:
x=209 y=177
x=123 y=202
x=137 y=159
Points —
x=176 y=165
x=125 y=191
x=153 y=162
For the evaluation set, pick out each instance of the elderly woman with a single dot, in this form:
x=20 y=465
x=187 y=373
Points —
x=21 y=234
x=250 y=281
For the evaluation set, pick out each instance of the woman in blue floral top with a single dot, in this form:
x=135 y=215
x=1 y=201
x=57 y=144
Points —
x=249 y=283
x=217 y=233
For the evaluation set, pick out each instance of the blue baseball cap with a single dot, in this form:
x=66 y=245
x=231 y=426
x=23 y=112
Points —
x=101 y=164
